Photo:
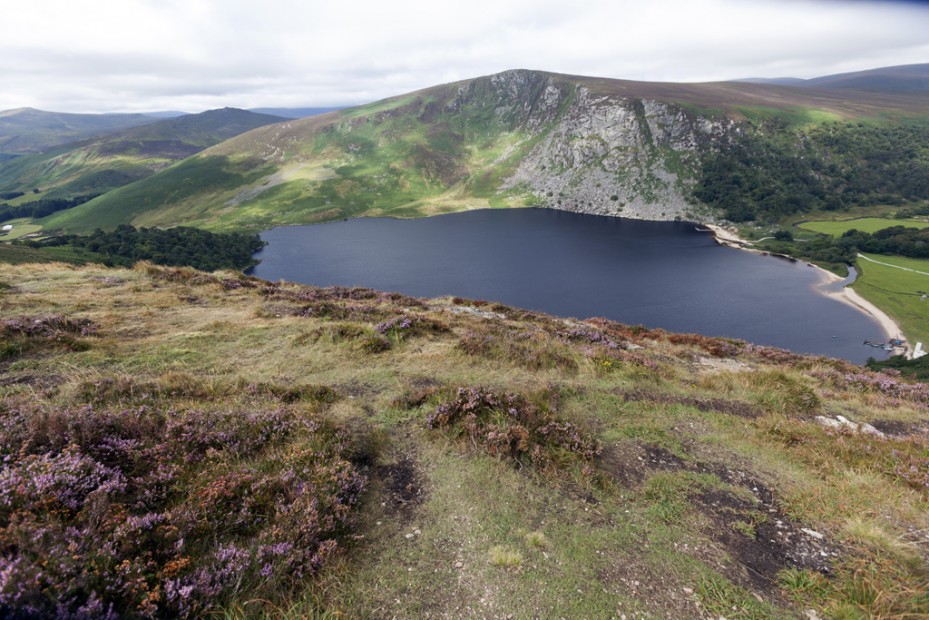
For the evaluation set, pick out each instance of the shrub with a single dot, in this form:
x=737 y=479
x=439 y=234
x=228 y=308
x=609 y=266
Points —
x=165 y=513
x=512 y=427
x=18 y=335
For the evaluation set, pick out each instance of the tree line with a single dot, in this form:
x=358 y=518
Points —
x=179 y=246
x=895 y=240
x=42 y=207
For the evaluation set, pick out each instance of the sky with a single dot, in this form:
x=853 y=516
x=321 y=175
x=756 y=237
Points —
x=193 y=55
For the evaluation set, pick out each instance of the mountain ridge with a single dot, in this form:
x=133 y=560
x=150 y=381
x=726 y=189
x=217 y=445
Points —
x=899 y=79
x=489 y=141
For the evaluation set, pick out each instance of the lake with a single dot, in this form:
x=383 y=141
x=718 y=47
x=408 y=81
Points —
x=657 y=274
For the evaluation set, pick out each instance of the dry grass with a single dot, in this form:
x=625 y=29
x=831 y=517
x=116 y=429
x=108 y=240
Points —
x=628 y=528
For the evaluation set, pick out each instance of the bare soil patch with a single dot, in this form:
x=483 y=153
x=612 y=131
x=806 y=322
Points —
x=403 y=486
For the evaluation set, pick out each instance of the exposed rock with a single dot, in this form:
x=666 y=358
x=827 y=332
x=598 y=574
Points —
x=616 y=156
x=840 y=422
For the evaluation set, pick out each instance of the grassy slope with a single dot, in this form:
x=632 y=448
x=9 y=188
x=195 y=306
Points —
x=898 y=292
x=892 y=290
x=335 y=166
x=18 y=254
x=705 y=450
x=26 y=130
x=414 y=155
x=865 y=224
x=102 y=164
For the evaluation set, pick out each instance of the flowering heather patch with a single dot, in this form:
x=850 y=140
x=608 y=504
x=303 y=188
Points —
x=880 y=383
x=621 y=332
x=338 y=294
x=511 y=426
x=397 y=326
x=717 y=347
x=588 y=335
x=913 y=468
x=402 y=326
x=534 y=350
x=164 y=513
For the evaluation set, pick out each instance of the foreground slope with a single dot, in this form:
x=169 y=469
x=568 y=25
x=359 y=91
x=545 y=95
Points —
x=176 y=443
x=520 y=137
x=102 y=163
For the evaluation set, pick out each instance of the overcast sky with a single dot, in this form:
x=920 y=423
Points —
x=192 y=55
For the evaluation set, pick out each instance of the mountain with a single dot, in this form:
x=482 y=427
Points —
x=166 y=114
x=103 y=163
x=295 y=112
x=184 y=444
x=899 y=79
x=516 y=138
x=26 y=130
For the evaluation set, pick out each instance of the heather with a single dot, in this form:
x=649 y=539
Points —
x=181 y=444
x=152 y=512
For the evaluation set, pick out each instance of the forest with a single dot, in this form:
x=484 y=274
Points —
x=173 y=246
x=896 y=240
x=42 y=207
x=772 y=172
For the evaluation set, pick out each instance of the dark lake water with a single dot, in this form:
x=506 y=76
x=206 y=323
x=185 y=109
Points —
x=657 y=274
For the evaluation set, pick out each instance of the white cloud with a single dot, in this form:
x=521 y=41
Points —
x=127 y=55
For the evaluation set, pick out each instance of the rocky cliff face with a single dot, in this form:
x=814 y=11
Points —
x=604 y=155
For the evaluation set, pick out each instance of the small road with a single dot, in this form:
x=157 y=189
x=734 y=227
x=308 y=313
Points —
x=871 y=260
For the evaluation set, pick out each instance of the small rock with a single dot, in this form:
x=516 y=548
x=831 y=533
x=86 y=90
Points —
x=688 y=590
x=812 y=533
x=459 y=564
x=410 y=536
x=811 y=614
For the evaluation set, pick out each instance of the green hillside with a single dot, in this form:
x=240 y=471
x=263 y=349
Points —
x=27 y=130
x=187 y=445
x=516 y=138
x=100 y=164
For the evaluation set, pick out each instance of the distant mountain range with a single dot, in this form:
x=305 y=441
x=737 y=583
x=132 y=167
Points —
x=899 y=79
x=99 y=164
x=27 y=130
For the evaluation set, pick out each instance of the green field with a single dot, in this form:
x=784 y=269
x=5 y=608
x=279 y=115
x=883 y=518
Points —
x=19 y=254
x=898 y=292
x=21 y=227
x=864 y=224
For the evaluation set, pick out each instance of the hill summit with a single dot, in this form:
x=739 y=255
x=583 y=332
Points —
x=516 y=138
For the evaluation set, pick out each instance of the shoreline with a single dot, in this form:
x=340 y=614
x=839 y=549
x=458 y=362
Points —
x=847 y=295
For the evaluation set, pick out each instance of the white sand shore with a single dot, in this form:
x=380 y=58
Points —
x=846 y=295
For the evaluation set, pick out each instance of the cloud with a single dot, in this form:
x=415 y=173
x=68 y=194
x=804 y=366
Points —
x=131 y=55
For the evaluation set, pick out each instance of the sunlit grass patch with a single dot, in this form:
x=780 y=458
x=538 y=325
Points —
x=505 y=557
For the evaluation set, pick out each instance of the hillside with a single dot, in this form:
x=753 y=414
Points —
x=26 y=130
x=520 y=137
x=893 y=80
x=180 y=444
x=100 y=164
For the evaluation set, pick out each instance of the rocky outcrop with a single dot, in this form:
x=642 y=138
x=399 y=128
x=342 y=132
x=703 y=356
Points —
x=617 y=156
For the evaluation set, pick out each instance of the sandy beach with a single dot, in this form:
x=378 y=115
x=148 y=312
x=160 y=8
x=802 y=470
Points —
x=846 y=295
